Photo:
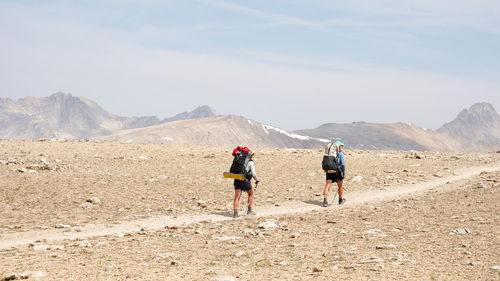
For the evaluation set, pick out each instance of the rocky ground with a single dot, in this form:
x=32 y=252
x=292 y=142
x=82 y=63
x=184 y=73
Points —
x=447 y=233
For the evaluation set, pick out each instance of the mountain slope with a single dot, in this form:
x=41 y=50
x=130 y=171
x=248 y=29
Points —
x=394 y=136
x=222 y=130
x=63 y=116
x=479 y=124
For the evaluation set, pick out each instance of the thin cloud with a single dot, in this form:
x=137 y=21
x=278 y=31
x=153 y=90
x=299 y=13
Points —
x=482 y=15
x=273 y=18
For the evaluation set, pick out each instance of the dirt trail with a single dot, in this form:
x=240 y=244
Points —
x=289 y=207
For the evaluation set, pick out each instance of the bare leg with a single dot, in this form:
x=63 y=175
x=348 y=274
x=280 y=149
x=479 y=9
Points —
x=327 y=188
x=339 y=184
x=325 y=192
x=250 y=198
x=237 y=195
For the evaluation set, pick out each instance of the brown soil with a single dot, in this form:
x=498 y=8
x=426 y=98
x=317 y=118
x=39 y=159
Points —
x=46 y=184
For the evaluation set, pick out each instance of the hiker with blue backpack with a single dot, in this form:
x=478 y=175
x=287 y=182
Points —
x=334 y=167
x=243 y=164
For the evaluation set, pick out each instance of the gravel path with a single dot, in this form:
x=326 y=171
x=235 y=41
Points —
x=287 y=207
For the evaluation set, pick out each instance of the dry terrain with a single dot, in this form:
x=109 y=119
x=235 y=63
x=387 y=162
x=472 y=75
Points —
x=109 y=211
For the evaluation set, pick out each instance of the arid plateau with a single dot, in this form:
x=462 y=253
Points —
x=74 y=210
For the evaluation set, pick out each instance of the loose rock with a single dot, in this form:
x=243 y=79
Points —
x=373 y=259
x=351 y=253
x=268 y=224
x=86 y=205
x=48 y=247
x=385 y=247
x=60 y=225
x=357 y=179
x=481 y=185
x=9 y=277
x=461 y=231
x=175 y=262
x=317 y=269
x=377 y=268
x=94 y=200
x=373 y=231
x=226 y=238
x=163 y=256
x=111 y=266
x=31 y=274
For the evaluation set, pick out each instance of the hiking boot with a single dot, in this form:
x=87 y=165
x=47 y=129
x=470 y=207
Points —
x=325 y=202
x=235 y=214
x=341 y=201
x=251 y=213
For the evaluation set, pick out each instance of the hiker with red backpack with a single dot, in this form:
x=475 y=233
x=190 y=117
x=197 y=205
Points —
x=243 y=164
x=334 y=167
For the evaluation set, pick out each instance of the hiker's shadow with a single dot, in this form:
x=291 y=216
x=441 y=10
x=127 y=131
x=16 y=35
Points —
x=223 y=214
x=313 y=202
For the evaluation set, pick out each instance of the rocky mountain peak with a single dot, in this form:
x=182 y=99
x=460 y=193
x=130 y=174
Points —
x=60 y=95
x=478 y=114
x=203 y=111
x=478 y=123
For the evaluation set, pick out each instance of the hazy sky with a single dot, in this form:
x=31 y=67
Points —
x=291 y=64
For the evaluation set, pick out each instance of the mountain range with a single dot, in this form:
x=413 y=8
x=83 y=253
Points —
x=65 y=116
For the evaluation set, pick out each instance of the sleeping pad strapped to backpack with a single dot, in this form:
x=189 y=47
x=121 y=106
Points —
x=240 y=161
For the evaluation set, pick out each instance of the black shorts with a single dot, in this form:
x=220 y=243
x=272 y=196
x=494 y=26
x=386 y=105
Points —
x=243 y=185
x=334 y=177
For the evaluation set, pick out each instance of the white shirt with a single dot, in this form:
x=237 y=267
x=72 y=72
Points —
x=251 y=169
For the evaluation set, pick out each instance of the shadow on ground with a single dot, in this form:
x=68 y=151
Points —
x=313 y=202
x=223 y=214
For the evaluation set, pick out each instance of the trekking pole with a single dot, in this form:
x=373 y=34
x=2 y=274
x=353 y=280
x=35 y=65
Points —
x=254 y=190
x=337 y=192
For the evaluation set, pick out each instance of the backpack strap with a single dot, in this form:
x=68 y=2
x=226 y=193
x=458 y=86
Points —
x=329 y=148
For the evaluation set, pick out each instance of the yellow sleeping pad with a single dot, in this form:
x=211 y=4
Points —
x=234 y=176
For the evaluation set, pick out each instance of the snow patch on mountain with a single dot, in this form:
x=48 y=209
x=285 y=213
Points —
x=265 y=129
x=291 y=135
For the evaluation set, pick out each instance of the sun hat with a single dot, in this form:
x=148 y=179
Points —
x=339 y=143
